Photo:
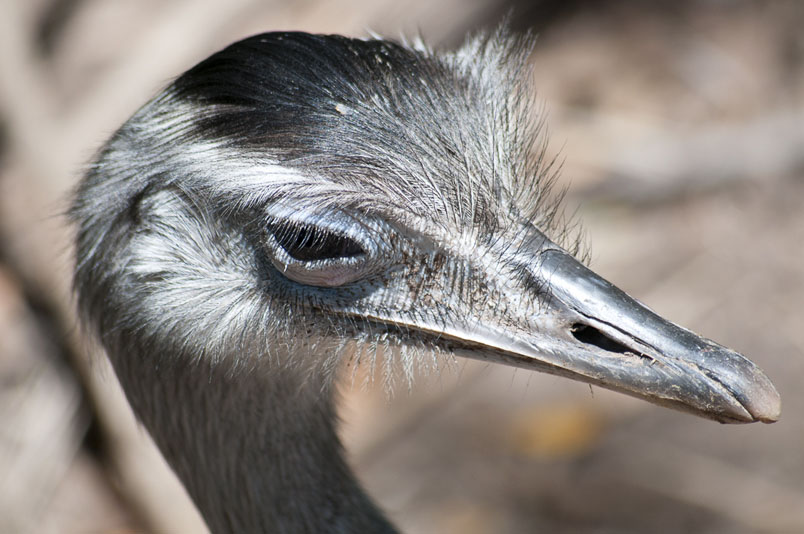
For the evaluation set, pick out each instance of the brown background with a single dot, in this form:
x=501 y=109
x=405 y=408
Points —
x=681 y=124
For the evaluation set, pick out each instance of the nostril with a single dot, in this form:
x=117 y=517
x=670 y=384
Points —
x=592 y=336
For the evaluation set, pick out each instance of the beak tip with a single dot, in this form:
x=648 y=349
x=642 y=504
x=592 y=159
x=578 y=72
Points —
x=766 y=406
x=761 y=399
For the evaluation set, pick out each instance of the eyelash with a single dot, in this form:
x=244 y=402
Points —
x=317 y=250
x=305 y=243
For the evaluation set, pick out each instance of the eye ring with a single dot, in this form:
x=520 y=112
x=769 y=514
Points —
x=322 y=250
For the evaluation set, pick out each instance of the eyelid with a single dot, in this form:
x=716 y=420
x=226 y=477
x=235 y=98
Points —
x=300 y=240
x=327 y=272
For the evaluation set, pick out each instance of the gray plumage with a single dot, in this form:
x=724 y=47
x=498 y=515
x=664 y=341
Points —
x=295 y=200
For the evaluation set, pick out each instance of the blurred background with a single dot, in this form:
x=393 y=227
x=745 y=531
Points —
x=681 y=128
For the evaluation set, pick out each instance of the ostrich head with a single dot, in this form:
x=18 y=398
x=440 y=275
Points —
x=296 y=202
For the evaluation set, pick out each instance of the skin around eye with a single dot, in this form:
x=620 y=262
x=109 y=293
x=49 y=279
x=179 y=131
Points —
x=314 y=256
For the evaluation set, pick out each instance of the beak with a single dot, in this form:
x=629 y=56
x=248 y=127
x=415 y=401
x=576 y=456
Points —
x=590 y=330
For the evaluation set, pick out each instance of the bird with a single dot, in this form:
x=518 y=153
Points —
x=298 y=204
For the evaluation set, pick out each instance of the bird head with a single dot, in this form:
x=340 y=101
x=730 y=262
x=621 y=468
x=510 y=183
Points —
x=294 y=193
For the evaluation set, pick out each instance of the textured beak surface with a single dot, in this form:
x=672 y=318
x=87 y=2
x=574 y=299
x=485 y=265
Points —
x=678 y=366
x=590 y=330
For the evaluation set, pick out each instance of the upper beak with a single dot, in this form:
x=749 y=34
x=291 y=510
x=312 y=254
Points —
x=592 y=331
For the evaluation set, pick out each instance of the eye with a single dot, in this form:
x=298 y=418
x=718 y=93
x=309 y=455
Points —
x=307 y=243
x=319 y=253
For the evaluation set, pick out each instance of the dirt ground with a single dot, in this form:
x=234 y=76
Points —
x=680 y=125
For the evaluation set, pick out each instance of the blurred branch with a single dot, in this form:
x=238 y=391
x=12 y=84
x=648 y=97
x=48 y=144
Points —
x=40 y=409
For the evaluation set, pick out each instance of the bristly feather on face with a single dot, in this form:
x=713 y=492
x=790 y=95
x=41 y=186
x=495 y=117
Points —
x=441 y=145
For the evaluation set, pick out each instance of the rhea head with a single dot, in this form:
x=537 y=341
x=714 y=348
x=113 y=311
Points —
x=297 y=202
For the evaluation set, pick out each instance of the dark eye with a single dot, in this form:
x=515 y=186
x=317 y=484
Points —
x=316 y=253
x=307 y=243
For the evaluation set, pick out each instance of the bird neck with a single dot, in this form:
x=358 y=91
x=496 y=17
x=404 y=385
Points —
x=257 y=450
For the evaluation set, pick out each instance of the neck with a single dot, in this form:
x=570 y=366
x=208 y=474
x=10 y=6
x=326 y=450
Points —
x=257 y=450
